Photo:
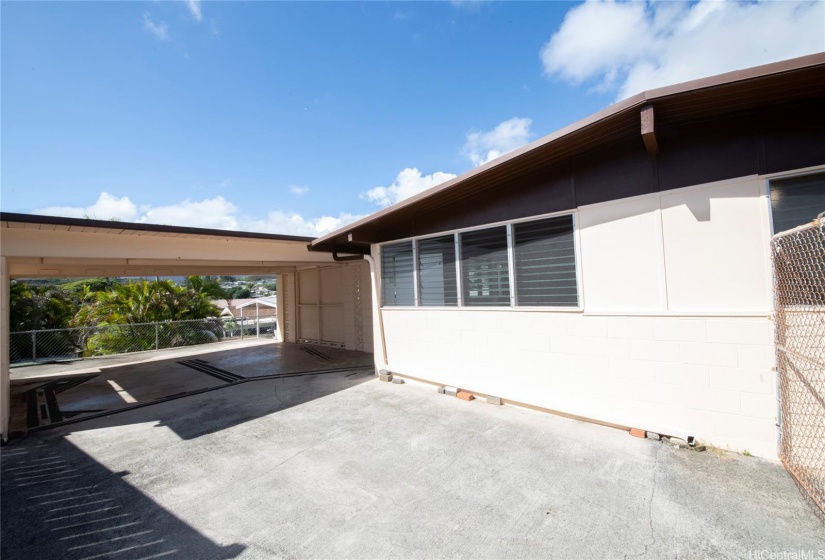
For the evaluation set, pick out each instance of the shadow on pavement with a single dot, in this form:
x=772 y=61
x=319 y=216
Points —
x=45 y=402
x=218 y=410
x=58 y=502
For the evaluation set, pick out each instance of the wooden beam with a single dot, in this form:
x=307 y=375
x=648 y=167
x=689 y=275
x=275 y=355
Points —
x=648 y=130
x=361 y=237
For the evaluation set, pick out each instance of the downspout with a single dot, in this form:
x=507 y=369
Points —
x=347 y=258
x=376 y=303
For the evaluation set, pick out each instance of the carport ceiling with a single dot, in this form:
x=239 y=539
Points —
x=45 y=246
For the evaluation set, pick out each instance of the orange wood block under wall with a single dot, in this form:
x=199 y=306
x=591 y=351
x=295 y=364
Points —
x=636 y=432
x=467 y=396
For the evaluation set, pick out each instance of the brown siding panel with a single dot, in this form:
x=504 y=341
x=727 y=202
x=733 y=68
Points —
x=615 y=171
x=696 y=153
x=794 y=137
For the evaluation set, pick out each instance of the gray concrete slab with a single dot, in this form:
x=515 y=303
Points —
x=121 y=381
x=345 y=466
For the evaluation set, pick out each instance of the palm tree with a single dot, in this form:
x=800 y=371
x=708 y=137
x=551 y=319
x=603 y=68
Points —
x=131 y=306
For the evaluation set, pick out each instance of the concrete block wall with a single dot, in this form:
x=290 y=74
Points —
x=673 y=333
x=710 y=377
x=357 y=300
x=287 y=307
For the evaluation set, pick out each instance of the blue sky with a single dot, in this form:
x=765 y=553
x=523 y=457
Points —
x=298 y=117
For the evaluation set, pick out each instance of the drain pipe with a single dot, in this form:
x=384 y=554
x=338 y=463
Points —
x=376 y=304
x=337 y=258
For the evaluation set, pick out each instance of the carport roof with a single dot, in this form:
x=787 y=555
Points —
x=798 y=79
x=32 y=221
x=56 y=247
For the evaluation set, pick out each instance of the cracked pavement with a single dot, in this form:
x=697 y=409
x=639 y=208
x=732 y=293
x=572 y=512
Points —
x=344 y=466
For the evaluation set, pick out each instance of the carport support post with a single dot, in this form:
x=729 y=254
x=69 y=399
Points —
x=5 y=401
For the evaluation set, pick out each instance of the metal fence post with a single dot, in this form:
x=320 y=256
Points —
x=157 y=336
x=34 y=346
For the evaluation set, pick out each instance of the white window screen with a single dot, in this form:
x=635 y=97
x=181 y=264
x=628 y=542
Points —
x=436 y=271
x=545 y=263
x=485 y=274
x=397 y=274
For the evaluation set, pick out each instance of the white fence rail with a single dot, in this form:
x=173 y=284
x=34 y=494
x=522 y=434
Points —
x=35 y=347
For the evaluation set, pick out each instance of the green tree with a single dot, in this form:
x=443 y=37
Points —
x=206 y=285
x=146 y=302
x=127 y=308
x=38 y=307
x=241 y=292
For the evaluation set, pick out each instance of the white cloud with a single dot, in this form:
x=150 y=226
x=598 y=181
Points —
x=402 y=15
x=194 y=7
x=470 y=5
x=213 y=213
x=631 y=47
x=410 y=181
x=482 y=147
x=295 y=224
x=160 y=30
x=217 y=213
x=107 y=207
x=298 y=190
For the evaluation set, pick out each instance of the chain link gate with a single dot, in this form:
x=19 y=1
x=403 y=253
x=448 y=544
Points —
x=799 y=302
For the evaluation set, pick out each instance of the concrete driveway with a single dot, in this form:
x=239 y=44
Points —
x=344 y=466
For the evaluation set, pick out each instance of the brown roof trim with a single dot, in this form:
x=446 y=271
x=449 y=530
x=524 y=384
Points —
x=327 y=242
x=131 y=226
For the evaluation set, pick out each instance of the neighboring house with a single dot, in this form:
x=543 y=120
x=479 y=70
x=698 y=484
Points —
x=249 y=308
x=616 y=270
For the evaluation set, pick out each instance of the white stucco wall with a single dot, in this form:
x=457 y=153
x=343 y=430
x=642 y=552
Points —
x=674 y=336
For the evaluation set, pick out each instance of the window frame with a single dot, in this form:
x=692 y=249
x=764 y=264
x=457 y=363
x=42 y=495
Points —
x=770 y=177
x=513 y=305
x=380 y=266
x=456 y=272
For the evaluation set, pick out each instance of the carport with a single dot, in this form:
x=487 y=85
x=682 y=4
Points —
x=320 y=300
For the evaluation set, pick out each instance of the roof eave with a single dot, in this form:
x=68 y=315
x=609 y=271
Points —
x=635 y=102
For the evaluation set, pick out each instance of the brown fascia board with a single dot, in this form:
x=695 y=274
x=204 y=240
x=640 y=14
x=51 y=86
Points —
x=117 y=227
x=768 y=71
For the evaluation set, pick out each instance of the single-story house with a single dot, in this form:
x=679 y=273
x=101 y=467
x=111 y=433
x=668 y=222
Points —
x=249 y=308
x=618 y=269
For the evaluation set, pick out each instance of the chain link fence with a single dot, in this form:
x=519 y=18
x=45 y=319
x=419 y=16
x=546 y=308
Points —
x=34 y=347
x=799 y=301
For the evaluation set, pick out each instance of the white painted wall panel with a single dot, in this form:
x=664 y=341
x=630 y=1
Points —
x=308 y=286
x=332 y=280
x=715 y=243
x=621 y=256
x=336 y=306
x=332 y=324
